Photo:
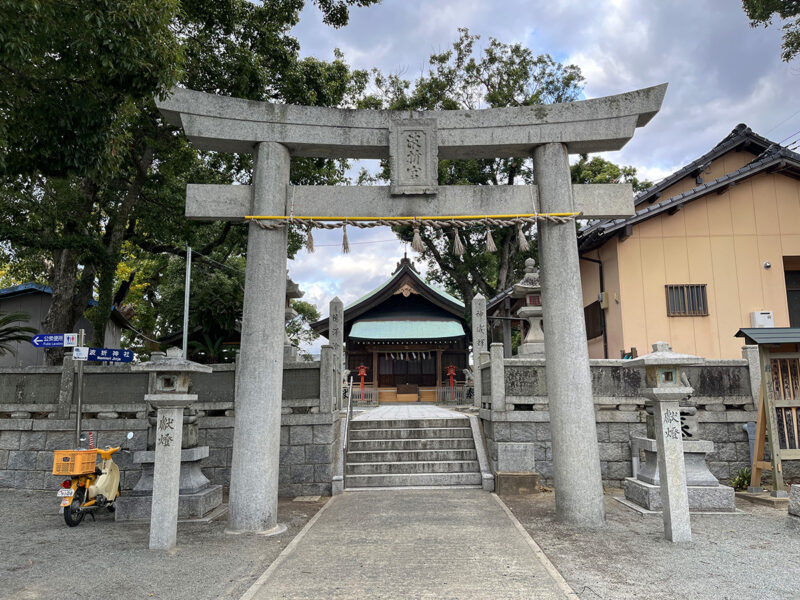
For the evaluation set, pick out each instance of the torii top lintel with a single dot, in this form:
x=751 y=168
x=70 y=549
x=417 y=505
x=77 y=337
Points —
x=228 y=124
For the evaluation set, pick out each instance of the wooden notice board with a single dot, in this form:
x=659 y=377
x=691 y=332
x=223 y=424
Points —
x=778 y=421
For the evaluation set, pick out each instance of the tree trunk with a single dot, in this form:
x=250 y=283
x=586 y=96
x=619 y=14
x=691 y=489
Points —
x=114 y=238
x=70 y=297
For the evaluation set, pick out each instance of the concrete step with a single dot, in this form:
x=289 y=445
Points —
x=410 y=467
x=461 y=443
x=410 y=423
x=409 y=455
x=412 y=480
x=417 y=433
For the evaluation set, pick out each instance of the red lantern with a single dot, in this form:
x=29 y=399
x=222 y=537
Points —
x=451 y=371
x=362 y=372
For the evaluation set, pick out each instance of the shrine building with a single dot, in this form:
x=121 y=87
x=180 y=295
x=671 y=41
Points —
x=409 y=335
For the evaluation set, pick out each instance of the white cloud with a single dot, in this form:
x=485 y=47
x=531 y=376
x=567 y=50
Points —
x=720 y=71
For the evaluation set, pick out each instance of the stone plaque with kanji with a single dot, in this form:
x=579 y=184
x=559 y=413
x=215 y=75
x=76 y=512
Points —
x=413 y=154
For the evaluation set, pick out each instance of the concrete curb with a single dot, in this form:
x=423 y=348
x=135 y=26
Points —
x=537 y=551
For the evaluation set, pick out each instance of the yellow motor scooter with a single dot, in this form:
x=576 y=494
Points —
x=90 y=486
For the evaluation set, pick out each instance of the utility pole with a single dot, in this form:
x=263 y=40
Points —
x=186 y=302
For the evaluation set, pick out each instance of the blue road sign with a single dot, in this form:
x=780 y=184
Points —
x=55 y=340
x=110 y=355
x=48 y=340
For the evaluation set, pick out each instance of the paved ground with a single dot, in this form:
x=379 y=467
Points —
x=407 y=411
x=401 y=544
x=753 y=555
x=410 y=544
x=42 y=558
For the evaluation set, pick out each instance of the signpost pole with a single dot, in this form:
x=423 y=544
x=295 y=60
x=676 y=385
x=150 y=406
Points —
x=81 y=341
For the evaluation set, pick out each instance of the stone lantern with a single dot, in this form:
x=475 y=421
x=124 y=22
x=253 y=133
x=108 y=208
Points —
x=293 y=291
x=170 y=397
x=530 y=289
x=666 y=387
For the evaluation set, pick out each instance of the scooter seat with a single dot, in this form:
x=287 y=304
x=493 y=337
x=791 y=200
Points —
x=106 y=454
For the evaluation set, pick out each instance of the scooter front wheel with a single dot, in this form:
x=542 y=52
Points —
x=73 y=515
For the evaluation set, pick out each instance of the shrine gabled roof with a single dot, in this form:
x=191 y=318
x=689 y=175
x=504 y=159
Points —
x=770 y=157
x=384 y=291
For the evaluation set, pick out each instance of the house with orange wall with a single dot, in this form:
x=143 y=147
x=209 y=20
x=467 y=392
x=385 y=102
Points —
x=712 y=243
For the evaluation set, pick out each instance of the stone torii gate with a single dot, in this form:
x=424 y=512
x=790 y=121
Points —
x=414 y=142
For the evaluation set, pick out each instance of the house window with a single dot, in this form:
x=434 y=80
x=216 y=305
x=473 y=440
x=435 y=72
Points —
x=686 y=300
x=793 y=297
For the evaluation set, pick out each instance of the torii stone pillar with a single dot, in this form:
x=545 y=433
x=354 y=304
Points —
x=414 y=142
x=576 y=459
x=257 y=416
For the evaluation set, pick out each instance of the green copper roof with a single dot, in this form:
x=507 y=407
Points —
x=406 y=330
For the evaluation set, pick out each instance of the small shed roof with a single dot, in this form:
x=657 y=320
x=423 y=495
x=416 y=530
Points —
x=383 y=330
x=770 y=335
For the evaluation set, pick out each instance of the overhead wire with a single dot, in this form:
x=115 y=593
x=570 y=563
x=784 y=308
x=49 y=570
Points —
x=797 y=112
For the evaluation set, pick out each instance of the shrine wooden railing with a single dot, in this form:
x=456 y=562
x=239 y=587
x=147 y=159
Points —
x=459 y=394
x=369 y=395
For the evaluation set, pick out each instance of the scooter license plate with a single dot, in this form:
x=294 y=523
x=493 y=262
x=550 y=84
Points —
x=65 y=493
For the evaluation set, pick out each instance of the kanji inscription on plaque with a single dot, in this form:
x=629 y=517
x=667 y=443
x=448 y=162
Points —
x=413 y=153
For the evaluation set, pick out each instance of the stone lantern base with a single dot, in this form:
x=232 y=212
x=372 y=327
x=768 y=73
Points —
x=706 y=494
x=197 y=496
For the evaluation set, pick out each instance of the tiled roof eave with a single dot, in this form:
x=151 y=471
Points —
x=741 y=134
x=597 y=237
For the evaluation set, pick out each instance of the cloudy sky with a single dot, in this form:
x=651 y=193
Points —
x=720 y=73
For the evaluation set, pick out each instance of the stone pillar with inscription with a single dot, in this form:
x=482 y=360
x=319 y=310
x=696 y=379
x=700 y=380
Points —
x=170 y=397
x=666 y=387
x=336 y=338
x=479 y=343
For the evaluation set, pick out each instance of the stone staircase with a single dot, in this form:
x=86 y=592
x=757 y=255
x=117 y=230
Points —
x=411 y=453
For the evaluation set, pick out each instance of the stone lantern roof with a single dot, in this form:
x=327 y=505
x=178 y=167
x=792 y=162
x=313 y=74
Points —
x=173 y=362
x=662 y=355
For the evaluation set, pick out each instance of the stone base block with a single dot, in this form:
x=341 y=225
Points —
x=514 y=484
x=516 y=457
x=190 y=506
x=718 y=498
x=794 y=500
x=532 y=349
x=764 y=499
x=192 y=479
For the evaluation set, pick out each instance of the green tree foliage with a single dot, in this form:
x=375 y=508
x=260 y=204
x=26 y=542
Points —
x=465 y=78
x=762 y=12
x=91 y=167
x=11 y=333
x=73 y=72
x=600 y=170
x=299 y=329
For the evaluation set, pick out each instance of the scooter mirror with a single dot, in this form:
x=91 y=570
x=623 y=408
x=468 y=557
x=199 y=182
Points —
x=130 y=435
x=83 y=437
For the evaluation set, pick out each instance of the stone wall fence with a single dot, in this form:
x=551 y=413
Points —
x=516 y=423
x=38 y=405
